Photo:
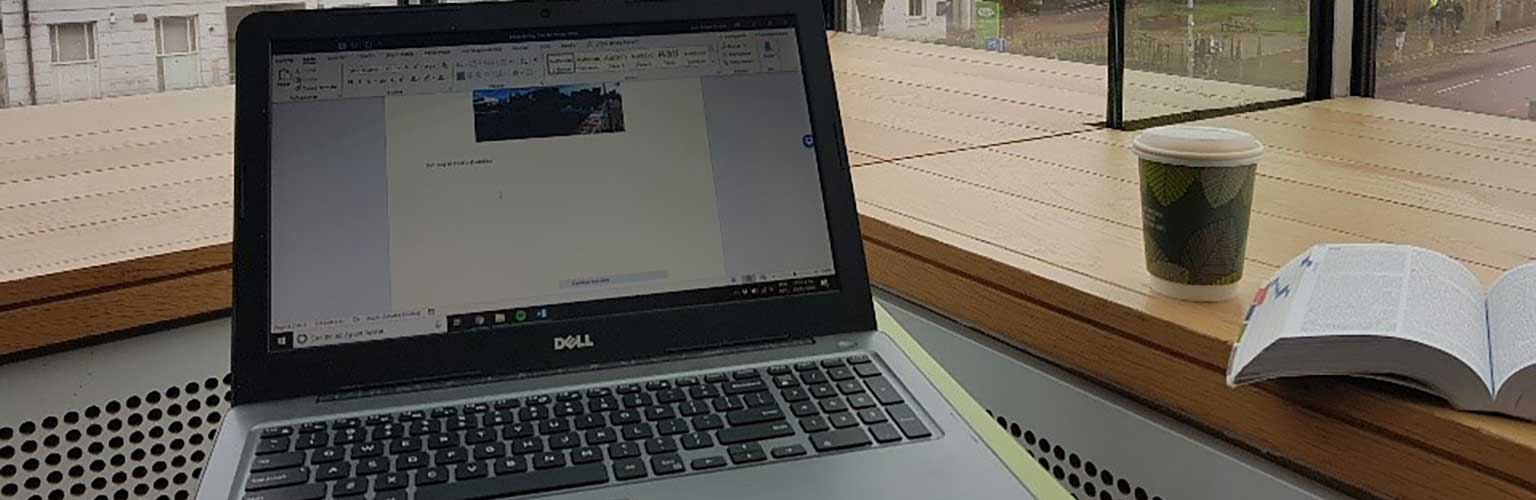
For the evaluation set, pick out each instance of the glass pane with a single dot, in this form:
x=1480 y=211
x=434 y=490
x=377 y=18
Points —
x=72 y=42
x=1471 y=55
x=1191 y=55
x=175 y=35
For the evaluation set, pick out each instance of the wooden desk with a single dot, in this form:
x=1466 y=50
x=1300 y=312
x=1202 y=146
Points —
x=985 y=191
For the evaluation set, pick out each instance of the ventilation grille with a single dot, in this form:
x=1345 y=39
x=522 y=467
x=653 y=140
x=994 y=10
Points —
x=149 y=446
x=1082 y=477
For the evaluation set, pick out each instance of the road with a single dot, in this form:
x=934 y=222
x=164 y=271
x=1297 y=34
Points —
x=1500 y=82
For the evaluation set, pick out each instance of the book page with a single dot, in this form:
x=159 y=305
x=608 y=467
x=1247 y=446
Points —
x=1512 y=322
x=1269 y=312
x=1402 y=292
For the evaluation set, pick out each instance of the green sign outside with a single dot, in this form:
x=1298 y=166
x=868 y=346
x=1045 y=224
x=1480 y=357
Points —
x=988 y=21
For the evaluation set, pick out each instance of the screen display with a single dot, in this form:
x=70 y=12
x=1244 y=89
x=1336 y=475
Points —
x=471 y=183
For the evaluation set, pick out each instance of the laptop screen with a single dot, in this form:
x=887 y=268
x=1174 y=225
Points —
x=471 y=183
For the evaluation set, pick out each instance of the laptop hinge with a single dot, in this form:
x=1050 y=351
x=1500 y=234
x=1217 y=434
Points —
x=475 y=378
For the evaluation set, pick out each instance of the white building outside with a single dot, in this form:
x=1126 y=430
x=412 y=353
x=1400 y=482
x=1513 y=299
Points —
x=86 y=49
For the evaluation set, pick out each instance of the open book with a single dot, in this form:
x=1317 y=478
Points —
x=1401 y=314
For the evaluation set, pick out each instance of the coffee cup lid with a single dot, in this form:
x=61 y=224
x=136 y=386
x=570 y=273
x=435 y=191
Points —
x=1198 y=146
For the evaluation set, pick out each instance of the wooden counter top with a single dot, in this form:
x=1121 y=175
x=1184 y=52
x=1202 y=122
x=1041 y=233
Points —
x=986 y=192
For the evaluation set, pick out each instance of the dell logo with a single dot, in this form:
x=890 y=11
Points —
x=569 y=342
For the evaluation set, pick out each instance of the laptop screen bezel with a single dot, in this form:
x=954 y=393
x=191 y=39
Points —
x=262 y=376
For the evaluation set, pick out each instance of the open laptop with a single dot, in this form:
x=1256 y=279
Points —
x=586 y=250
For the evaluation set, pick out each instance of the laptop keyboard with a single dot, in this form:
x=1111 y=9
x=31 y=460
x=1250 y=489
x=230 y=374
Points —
x=600 y=435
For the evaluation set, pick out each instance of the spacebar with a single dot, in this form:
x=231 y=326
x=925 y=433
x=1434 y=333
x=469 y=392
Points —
x=517 y=484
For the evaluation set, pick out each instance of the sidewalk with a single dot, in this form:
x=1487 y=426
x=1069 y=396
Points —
x=1419 y=36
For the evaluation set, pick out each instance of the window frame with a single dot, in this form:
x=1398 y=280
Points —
x=916 y=8
x=88 y=32
x=192 y=38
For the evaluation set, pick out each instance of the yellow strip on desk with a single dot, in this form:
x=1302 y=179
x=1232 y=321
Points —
x=1037 y=480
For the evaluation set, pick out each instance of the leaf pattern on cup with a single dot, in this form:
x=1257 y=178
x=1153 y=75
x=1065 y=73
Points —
x=1210 y=254
x=1222 y=185
x=1167 y=183
x=1159 y=265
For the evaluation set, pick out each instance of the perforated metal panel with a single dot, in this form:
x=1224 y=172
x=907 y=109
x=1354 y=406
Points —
x=142 y=445
x=1082 y=476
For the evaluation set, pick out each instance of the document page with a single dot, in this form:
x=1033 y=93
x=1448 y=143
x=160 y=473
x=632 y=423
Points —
x=1512 y=322
x=1401 y=292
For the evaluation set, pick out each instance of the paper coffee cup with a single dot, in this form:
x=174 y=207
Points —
x=1196 y=195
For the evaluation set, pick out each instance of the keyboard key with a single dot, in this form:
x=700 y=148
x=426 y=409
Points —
x=508 y=465
x=656 y=413
x=794 y=395
x=726 y=404
x=568 y=396
x=623 y=417
x=623 y=450
x=814 y=424
x=589 y=421
x=657 y=385
x=272 y=445
x=478 y=436
x=831 y=363
x=516 y=431
x=708 y=422
x=857 y=359
x=660 y=444
x=442 y=440
x=841 y=373
x=349 y=487
x=745 y=374
x=777 y=370
x=586 y=455
x=632 y=401
x=374 y=465
x=278 y=461
x=506 y=404
x=499 y=418
x=706 y=463
x=387 y=432
x=843 y=420
x=671 y=396
x=348 y=436
x=489 y=451
x=374 y=420
x=564 y=441
x=527 y=445
x=412 y=461
x=461 y=422
x=746 y=455
x=444 y=412
x=451 y=456
x=366 y=450
x=473 y=408
x=569 y=408
x=704 y=392
x=467 y=470
x=636 y=432
x=805 y=366
x=758 y=400
x=840 y=440
x=715 y=378
x=517 y=484
x=804 y=409
x=866 y=370
x=632 y=468
x=346 y=423
x=301 y=492
x=786 y=381
x=276 y=432
x=885 y=432
x=834 y=405
x=548 y=460
x=850 y=387
x=744 y=386
x=312 y=441
x=601 y=436
x=693 y=408
x=435 y=475
x=793 y=450
x=697 y=440
x=277 y=479
x=539 y=400
x=861 y=401
x=392 y=481
x=332 y=471
x=823 y=391
x=686 y=381
x=668 y=463
x=532 y=413
x=404 y=445
x=907 y=420
x=599 y=392
x=814 y=377
x=757 y=432
x=312 y=427
x=628 y=389
x=754 y=416
x=423 y=427
x=602 y=404
x=671 y=427
x=884 y=392
x=871 y=416
x=554 y=426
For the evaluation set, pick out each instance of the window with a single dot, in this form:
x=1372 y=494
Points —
x=915 y=8
x=73 y=42
x=1469 y=55
x=175 y=35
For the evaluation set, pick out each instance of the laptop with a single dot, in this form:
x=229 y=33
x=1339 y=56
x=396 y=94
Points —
x=578 y=250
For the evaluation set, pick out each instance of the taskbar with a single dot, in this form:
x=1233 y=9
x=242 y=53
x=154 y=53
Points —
x=499 y=318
